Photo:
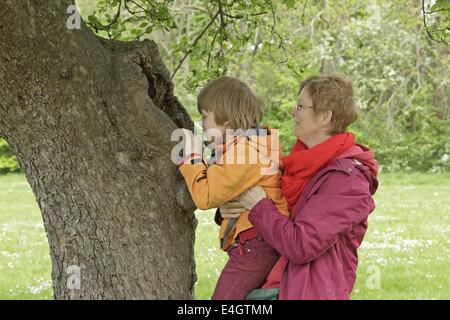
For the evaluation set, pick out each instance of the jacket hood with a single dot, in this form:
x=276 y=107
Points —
x=365 y=161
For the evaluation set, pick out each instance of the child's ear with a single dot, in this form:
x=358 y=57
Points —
x=326 y=119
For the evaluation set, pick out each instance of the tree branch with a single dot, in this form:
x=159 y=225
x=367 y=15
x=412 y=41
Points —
x=99 y=26
x=303 y=12
x=240 y=16
x=194 y=43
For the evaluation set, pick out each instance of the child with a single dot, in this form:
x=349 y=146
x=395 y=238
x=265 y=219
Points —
x=228 y=103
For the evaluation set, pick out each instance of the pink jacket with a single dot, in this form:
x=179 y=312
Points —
x=325 y=230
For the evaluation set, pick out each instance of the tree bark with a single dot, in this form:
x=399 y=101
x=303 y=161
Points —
x=90 y=122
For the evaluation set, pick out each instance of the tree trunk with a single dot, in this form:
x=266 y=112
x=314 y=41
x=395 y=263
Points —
x=90 y=122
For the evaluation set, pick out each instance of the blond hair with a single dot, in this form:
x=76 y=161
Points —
x=332 y=93
x=231 y=100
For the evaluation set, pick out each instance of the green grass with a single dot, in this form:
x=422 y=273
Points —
x=24 y=253
x=405 y=254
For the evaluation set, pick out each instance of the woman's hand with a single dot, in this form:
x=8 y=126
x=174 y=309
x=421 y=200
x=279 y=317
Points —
x=244 y=202
x=231 y=210
x=251 y=197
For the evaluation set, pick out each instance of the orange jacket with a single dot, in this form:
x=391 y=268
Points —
x=213 y=185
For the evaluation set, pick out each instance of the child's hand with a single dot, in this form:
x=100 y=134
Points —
x=192 y=144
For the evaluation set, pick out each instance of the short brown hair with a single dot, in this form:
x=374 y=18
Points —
x=332 y=93
x=231 y=100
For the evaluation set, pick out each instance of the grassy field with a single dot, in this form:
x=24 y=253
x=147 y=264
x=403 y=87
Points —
x=406 y=253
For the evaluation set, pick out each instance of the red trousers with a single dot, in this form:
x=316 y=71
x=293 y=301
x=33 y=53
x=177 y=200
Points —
x=247 y=268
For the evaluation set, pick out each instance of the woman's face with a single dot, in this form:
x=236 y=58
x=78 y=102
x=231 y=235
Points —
x=308 y=125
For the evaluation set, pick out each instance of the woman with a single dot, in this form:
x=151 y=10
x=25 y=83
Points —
x=328 y=183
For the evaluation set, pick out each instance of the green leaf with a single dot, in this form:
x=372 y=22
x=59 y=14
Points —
x=289 y=3
x=440 y=5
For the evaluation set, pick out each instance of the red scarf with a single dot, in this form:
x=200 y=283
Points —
x=303 y=163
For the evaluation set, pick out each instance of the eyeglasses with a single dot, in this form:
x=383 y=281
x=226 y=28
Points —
x=300 y=107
